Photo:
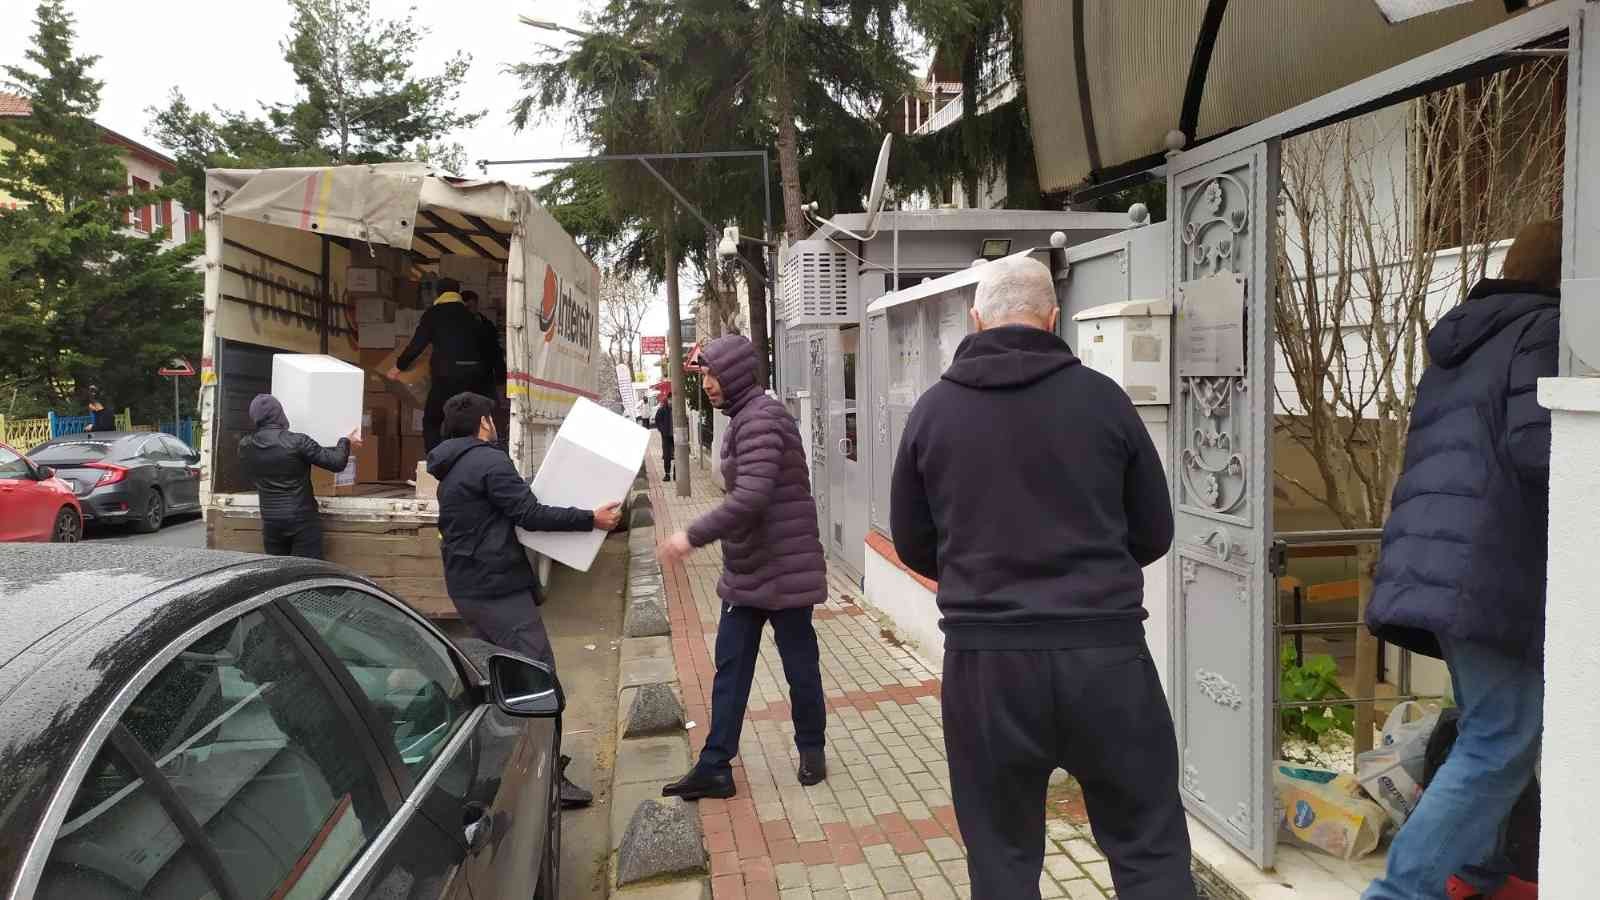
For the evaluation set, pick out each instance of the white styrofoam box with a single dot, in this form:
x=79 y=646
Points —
x=321 y=395
x=1131 y=343
x=367 y=280
x=592 y=461
x=374 y=309
x=378 y=334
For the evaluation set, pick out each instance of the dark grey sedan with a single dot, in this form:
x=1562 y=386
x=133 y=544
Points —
x=138 y=478
x=195 y=724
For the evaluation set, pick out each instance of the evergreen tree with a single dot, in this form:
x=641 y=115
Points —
x=360 y=101
x=83 y=299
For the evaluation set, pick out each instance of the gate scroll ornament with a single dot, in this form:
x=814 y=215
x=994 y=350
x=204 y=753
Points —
x=1215 y=476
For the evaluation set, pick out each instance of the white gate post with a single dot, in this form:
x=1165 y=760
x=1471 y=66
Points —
x=1570 y=773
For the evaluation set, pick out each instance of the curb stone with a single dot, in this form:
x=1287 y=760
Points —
x=656 y=842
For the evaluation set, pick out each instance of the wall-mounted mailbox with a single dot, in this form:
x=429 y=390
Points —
x=1130 y=342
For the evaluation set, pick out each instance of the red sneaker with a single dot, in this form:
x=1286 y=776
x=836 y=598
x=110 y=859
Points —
x=1514 y=889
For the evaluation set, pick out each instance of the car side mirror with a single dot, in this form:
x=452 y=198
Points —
x=524 y=688
x=44 y=473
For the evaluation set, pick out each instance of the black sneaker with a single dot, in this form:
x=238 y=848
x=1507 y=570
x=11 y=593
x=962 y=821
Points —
x=699 y=784
x=813 y=767
x=572 y=796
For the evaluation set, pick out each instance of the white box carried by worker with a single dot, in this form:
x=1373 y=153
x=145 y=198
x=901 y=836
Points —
x=592 y=462
x=321 y=395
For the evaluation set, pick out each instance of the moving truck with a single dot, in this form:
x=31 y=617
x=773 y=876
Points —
x=342 y=261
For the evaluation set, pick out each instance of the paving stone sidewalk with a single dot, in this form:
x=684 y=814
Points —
x=882 y=825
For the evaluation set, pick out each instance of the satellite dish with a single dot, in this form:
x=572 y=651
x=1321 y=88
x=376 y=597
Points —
x=880 y=176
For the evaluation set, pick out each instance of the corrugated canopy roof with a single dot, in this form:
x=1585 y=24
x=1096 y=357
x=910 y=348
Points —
x=1106 y=81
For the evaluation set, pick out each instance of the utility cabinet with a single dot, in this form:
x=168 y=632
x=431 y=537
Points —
x=1131 y=343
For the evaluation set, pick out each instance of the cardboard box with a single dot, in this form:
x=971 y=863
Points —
x=411 y=453
x=427 y=485
x=321 y=395
x=376 y=335
x=592 y=461
x=407 y=294
x=374 y=309
x=410 y=420
x=368 y=280
x=413 y=384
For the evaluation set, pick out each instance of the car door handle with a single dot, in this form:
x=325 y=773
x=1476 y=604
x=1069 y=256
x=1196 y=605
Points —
x=479 y=827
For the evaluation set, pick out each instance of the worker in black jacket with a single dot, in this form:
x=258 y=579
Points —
x=463 y=355
x=482 y=503
x=280 y=461
x=1028 y=487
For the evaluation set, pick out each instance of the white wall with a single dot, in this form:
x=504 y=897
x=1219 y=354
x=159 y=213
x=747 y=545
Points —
x=910 y=606
x=1570 y=787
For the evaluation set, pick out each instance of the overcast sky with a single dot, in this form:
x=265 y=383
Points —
x=226 y=54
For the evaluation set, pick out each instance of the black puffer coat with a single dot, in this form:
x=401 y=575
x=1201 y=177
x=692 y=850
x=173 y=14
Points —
x=280 y=461
x=1465 y=547
x=482 y=501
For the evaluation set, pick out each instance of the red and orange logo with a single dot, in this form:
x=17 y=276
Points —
x=547 y=308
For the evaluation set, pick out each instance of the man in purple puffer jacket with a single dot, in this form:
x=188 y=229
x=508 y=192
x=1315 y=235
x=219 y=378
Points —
x=773 y=569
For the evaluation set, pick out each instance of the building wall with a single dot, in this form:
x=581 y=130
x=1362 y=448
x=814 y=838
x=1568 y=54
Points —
x=1570 y=773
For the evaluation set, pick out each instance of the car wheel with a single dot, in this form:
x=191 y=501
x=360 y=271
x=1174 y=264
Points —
x=68 y=528
x=155 y=513
x=550 y=865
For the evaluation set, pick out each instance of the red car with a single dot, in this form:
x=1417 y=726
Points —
x=35 y=505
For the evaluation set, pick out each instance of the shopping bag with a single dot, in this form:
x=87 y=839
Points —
x=1392 y=773
x=1327 y=810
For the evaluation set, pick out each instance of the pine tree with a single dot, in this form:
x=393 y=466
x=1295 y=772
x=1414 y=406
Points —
x=82 y=298
x=360 y=100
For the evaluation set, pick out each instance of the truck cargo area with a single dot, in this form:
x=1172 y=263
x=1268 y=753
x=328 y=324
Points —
x=344 y=262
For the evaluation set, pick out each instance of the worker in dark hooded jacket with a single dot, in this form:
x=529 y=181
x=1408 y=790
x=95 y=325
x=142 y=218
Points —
x=280 y=461
x=465 y=358
x=773 y=569
x=482 y=503
x=1462 y=569
x=1029 y=488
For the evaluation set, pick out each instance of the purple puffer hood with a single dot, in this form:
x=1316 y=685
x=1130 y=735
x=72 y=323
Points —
x=732 y=358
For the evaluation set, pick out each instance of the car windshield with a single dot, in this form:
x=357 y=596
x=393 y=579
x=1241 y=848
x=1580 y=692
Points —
x=71 y=451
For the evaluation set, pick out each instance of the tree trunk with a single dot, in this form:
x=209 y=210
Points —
x=757 y=257
x=794 y=220
x=970 y=73
x=680 y=418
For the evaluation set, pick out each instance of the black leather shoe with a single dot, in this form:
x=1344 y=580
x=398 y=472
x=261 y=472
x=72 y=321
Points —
x=698 y=784
x=813 y=767
x=572 y=796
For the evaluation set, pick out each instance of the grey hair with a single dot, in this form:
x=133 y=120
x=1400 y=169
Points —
x=1015 y=287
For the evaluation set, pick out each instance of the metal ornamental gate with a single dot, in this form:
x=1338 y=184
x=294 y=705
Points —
x=1223 y=666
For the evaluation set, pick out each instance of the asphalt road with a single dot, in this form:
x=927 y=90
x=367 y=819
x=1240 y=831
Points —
x=180 y=531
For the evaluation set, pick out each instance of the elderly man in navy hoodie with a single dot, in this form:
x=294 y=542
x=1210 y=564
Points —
x=1462 y=571
x=1028 y=487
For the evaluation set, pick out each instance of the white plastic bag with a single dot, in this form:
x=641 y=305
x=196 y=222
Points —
x=1391 y=774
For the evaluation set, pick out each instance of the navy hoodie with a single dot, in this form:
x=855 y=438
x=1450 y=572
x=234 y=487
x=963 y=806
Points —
x=1027 y=485
x=482 y=500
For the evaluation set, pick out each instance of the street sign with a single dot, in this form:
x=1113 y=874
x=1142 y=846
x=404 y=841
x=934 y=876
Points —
x=653 y=345
x=177 y=367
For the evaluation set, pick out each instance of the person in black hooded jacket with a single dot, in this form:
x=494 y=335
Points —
x=1028 y=487
x=280 y=461
x=1461 y=574
x=482 y=503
